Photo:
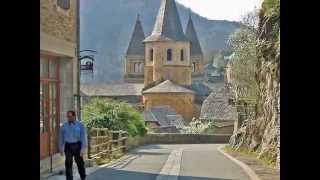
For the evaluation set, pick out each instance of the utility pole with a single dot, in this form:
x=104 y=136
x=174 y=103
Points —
x=78 y=61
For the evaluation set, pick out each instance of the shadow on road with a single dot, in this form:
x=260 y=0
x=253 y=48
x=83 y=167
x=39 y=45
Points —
x=148 y=153
x=114 y=174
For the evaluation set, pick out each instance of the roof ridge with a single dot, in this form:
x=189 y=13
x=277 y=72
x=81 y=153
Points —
x=168 y=86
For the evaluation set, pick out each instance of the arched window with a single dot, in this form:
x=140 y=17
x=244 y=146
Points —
x=136 y=67
x=141 y=67
x=182 y=55
x=169 y=55
x=151 y=54
x=193 y=67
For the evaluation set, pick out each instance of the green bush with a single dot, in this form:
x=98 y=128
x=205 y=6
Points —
x=113 y=115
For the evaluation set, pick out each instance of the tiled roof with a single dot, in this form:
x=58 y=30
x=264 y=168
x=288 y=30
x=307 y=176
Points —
x=167 y=87
x=119 y=89
x=168 y=24
x=201 y=89
x=192 y=36
x=136 y=45
x=216 y=107
x=165 y=116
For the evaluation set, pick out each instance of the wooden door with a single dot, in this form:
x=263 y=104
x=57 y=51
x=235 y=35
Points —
x=49 y=106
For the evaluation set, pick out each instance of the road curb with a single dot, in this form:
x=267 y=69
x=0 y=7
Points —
x=245 y=167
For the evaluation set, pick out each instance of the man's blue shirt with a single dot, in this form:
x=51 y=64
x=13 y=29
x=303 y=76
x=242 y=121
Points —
x=72 y=133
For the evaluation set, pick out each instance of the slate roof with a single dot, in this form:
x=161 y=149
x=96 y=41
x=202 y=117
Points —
x=167 y=87
x=193 y=37
x=201 y=89
x=168 y=25
x=136 y=45
x=164 y=116
x=216 y=107
x=118 y=89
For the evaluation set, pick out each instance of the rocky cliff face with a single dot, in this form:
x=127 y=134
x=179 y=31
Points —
x=261 y=133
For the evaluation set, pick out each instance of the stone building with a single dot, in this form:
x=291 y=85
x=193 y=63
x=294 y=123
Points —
x=167 y=52
x=58 y=74
x=217 y=110
x=167 y=48
x=169 y=94
x=135 y=56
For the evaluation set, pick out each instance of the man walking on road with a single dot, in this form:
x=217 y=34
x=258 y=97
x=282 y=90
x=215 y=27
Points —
x=73 y=143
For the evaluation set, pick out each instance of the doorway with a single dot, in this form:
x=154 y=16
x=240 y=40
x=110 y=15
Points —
x=49 y=106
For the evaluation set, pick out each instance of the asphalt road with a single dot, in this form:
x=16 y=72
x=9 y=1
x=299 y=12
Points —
x=173 y=162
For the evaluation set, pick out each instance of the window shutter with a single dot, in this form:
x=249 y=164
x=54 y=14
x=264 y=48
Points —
x=64 y=4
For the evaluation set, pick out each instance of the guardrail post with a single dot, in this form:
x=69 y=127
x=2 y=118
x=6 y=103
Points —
x=111 y=144
x=119 y=142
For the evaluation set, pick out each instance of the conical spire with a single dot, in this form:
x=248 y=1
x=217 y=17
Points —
x=136 y=45
x=192 y=36
x=167 y=25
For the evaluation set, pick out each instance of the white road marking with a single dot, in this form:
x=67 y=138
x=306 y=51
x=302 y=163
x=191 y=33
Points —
x=171 y=169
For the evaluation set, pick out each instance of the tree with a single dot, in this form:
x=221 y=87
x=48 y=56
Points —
x=243 y=63
x=113 y=115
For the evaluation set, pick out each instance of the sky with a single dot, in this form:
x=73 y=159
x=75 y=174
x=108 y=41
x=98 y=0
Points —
x=231 y=10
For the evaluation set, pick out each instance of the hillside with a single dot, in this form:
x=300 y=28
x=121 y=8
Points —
x=106 y=26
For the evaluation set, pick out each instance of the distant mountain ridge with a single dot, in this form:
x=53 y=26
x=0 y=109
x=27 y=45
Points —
x=107 y=25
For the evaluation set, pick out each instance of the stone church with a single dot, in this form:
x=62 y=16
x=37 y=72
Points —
x=167 y=62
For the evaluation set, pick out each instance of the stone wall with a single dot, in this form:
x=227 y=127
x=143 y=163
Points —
x=198 y=60
x=66 y=92
x=182 y=103
x=58 y=22
x=223 y=130
x=175 y=70
x=171 y=138
x=131 y=76
x=178 y=74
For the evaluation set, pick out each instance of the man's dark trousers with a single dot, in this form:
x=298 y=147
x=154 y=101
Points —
x=73 y=150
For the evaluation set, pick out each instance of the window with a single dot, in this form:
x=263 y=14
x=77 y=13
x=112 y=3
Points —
x=169 y=55
x=151 y=55
x=64 y=4
x=138 y=67
x=135 y=67
x=141 y=67
x=182 y=55
x=193 y=67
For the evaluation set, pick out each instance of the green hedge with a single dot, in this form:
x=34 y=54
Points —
x=114 y=115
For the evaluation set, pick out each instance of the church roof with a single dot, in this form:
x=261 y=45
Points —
x=193 y=37
x=136 y=45
x=164 y=116
x=168 y=25
x=110 y=90
x=167 y=87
